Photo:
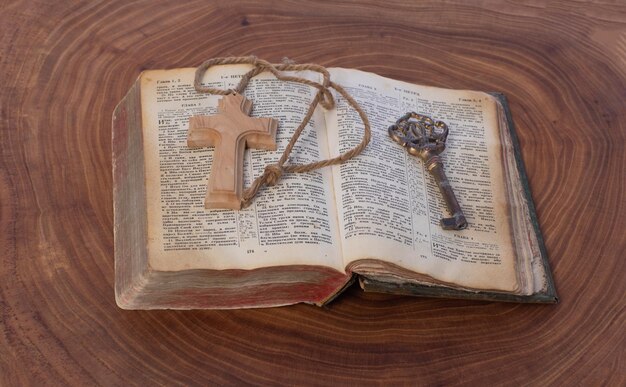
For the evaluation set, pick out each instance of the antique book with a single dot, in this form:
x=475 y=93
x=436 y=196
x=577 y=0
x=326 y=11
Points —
x=373 y=219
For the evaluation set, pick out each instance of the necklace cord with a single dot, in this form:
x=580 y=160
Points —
x=324 y=97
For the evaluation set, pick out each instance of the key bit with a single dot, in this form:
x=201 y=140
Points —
x=426 y=139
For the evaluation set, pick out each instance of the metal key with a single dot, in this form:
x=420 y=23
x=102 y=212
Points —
x=425 y=138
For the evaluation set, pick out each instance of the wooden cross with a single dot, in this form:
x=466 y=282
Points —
x=229 y=132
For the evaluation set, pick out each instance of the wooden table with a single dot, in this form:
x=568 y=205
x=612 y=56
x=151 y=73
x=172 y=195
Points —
x=64 y=66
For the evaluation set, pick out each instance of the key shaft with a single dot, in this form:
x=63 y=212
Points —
x=457 y=221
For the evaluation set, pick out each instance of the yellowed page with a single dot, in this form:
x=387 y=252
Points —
x=292 y=223
x=388 y=205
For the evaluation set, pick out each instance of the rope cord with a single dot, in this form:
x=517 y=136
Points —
x=324 y=97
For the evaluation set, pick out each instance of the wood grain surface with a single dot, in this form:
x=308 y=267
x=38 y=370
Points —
x=65 y=64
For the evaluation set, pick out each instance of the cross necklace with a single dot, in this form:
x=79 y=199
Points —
x=232 y=129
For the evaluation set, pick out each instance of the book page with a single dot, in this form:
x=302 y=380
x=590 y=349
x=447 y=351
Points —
x=291 y=223
x=389 y=206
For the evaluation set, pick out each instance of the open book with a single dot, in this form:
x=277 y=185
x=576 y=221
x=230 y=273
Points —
x=374 y=218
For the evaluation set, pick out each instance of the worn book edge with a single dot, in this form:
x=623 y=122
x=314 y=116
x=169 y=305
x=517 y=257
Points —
x=129 y=205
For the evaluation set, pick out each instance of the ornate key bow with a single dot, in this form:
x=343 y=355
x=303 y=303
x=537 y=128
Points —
x=425 y=138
